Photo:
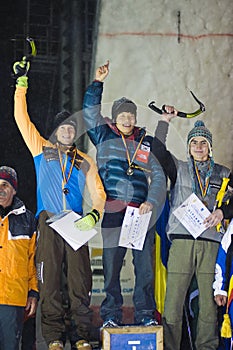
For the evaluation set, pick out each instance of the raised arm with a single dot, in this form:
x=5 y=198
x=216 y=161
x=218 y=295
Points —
x=93 y=119
x=30 y=134
x=166 y=159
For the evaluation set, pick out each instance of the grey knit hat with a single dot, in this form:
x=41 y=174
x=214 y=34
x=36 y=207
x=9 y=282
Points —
x=123 y=105
x=200 y=130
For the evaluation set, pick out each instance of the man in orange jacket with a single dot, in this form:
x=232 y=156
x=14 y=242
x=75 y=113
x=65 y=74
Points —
x=63 y=172
x=18 y=282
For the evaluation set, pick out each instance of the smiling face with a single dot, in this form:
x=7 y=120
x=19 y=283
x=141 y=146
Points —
x=7 y=193
x=199 y=148
x=125 y=122
x=65 y=134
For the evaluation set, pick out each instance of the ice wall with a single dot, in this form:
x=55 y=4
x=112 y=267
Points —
x=161 y=49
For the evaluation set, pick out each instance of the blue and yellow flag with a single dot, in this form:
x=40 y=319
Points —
x=162 y=245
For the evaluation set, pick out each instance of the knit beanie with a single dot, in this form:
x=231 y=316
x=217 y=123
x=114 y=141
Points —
x=123 y=105
x=200 y=130
x=62 y=118
x=9 y=174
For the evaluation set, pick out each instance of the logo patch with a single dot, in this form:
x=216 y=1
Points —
x=143 y=154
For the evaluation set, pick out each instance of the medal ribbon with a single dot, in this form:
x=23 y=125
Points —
x=127 y=150
x=205 y=188
x=141 y=168
x=63 y=169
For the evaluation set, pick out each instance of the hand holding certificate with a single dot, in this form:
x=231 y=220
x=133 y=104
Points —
x=192 y=213
x=134 y=228
x=66 y=228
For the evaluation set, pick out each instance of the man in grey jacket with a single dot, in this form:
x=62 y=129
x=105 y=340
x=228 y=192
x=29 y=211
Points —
x=190 y=256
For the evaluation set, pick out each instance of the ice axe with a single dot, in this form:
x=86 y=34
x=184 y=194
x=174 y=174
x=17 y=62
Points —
x=20 y=68
x=201 y=109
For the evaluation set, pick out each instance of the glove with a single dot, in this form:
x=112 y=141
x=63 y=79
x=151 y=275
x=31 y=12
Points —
x=88 y=221
x=20 y=70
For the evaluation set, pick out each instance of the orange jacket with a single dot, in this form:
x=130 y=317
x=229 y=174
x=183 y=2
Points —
x=17 y=253
x=49 y=189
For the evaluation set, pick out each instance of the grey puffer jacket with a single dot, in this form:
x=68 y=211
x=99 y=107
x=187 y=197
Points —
x=181 y=185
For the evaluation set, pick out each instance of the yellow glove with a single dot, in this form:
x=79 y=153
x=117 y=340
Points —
x=22 y=81
x=88 y=221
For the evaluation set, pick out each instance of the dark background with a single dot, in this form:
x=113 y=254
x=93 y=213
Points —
x=13 y=151
x=63 y=33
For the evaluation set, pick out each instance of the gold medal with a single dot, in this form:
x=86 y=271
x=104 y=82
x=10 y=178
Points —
x=130 y=171
x=65 y=190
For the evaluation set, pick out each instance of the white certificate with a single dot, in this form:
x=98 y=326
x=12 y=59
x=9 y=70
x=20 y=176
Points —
x=191 y=213
x=73 y=236
x=134 y=229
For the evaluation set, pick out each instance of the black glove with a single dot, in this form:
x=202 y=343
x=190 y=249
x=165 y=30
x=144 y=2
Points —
x=20 y=70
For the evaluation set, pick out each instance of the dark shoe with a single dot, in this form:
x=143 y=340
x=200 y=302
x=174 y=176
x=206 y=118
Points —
x=149 y=322
x=110 y=324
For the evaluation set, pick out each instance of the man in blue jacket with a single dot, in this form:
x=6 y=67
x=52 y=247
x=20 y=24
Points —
x=131 y=176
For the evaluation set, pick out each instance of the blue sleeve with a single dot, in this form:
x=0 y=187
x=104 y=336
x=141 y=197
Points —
x=93 y=119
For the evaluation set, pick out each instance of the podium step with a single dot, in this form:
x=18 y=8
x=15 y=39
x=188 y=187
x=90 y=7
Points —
x=133 y=337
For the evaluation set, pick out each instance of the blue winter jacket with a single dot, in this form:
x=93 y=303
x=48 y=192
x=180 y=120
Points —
x=224 y=271
x=147 y=183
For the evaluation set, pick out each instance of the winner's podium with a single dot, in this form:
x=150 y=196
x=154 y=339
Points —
x=133 y=338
